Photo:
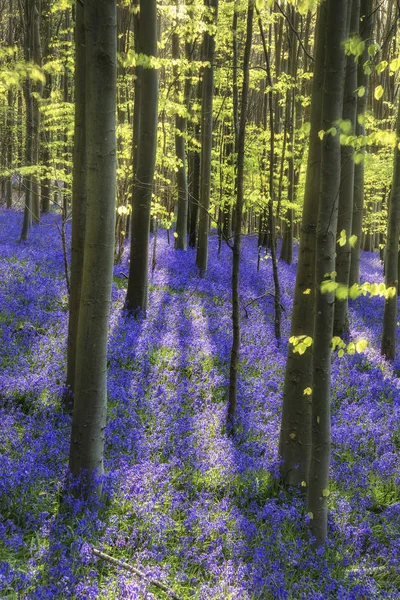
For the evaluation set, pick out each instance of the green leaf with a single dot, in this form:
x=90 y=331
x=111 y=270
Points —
x=380 y=67
x=361 y=91
x=343 y=238
x=395 y=64
x=353 y=241
x=361 y=345
x=378 y=93
x=301 y=348
x=327 y=287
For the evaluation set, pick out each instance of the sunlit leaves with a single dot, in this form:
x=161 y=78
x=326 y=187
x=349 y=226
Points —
x=343 y=238
x=395 y=64
x=378 y=92
x=300 y=343
x=361 y=91
x=371 y=289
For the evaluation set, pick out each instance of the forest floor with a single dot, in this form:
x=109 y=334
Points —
x=191 y=507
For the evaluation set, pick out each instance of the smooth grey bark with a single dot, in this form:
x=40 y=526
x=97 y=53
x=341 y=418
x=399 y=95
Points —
x=295 y=432
x=388 y=345
x=27 y=15
x=346 y=196
x=287 y=242
x=38 y=88
x=269 y=215
x=136 y=298
x=10 y=114
x=78 y=195
x=206 y=137
x=325 y=263
x=90 y=404
x=232 y=399
x=366 y=28
x=180 y=150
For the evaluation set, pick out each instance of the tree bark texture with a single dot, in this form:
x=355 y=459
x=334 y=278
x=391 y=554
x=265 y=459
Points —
x=206 y=138
x=232 y=401
x=325 y=263
x=366 y=28
x=78 y=195
x=295 y=433
x=136 y=298
x=90 y=404
x=388 y=346
x=346 y=196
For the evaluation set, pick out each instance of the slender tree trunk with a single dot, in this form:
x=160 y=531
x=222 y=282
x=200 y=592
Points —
x=325 y=263
x=287 y=243
x=38 y=88
x=269 y=214
x=27 y=12
x=295 y=434
x=136 y=298
x=232 y=401
x=180 y=149
x=90 y=404
x=206 y=139
x=345 y=218
x=388 y=346
x=78 y=195
x=10 y=115
x=366 y=28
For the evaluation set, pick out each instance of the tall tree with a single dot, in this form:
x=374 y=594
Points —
x=78 y=194
x=366 y=28
x=206 y=133
x=180 y=149
x=136 y=298
x=90 y=403
x=239 y=216
x=27 y=16
x=332 y=106
x=388 y=346
x=295 y=433
x=346 y=196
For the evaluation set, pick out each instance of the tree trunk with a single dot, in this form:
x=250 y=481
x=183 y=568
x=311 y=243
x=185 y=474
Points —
x=90 y=404
x=78 y=195
x=181 y=177
x=38 y=88
x=366 y=28
x=206 y=139
x=295 y=434
x=325 y=263
x=136 y=298
x=345 y=217
x=388 y=346
x=232 y=401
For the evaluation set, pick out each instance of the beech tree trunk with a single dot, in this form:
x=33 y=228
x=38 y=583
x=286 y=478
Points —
x=78 y=195
x=136 y=298
x=180 y=149
x=345 y=217
x=90 y=404
x=366 y=28
x=388 y=346
x=318 y=487
x=232 y=401
x=295 y=433
x=206 y=139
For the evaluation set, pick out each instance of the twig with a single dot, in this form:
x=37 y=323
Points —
x=294 y=31
x=244 y=306
x=140 y=574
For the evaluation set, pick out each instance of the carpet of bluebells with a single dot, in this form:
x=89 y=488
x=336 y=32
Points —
x=185 y=503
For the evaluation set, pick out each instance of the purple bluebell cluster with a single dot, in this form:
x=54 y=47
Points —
x=186 y=504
